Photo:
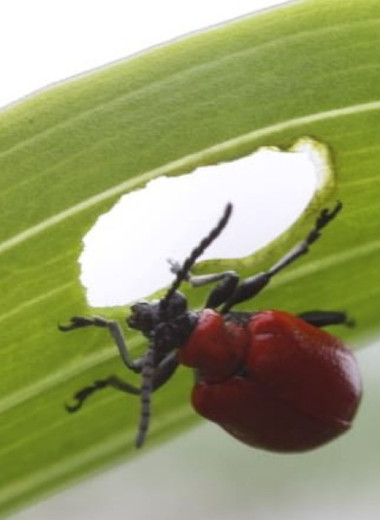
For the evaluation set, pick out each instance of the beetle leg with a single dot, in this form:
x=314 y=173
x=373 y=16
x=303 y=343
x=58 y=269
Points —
x=165 y=370
x=253 y=285
x=303 y=247
x=325 y=318
x=99 y=384
x=114 y=328
x=152 y=379
x=228 y=281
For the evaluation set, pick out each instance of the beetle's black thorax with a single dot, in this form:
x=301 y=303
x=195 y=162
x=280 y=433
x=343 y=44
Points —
x=166 y=326
x=170 y=335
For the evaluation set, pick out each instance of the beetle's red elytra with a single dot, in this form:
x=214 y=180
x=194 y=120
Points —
x=290 y=387
x=272 y=379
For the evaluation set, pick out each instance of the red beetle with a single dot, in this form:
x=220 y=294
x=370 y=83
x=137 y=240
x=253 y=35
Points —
x=271 y=379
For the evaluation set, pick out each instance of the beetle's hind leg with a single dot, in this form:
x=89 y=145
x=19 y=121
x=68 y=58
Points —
x=326 y=318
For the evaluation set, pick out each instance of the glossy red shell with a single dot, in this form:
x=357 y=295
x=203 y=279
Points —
x=274 y=381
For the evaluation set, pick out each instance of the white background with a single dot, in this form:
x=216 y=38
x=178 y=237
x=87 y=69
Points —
x=43 y=42
x=204 y=474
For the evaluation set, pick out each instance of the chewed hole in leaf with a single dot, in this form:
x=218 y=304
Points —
x=125 y=253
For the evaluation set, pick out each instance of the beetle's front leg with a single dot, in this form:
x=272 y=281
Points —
x=152 y=379
x=77 y=322
x=110 y=382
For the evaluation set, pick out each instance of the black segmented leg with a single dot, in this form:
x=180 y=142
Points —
x=152 y=379
x=77 y=322
x=110 y=382
x=325 y=318
x=253 y=285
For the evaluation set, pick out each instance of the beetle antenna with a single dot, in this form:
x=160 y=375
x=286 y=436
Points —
x=183 y=272
x=146 y=390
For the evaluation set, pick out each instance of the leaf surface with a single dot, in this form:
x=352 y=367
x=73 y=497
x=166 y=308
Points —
x=66 y=155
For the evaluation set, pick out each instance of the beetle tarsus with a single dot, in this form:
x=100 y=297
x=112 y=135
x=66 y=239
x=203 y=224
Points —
x=78 y=322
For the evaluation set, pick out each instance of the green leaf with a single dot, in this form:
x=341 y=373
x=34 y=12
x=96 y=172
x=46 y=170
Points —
x=66 y=155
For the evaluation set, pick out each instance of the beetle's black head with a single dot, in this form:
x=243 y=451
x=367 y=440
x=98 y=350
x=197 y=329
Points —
x=146 y=316
x=167 y=322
